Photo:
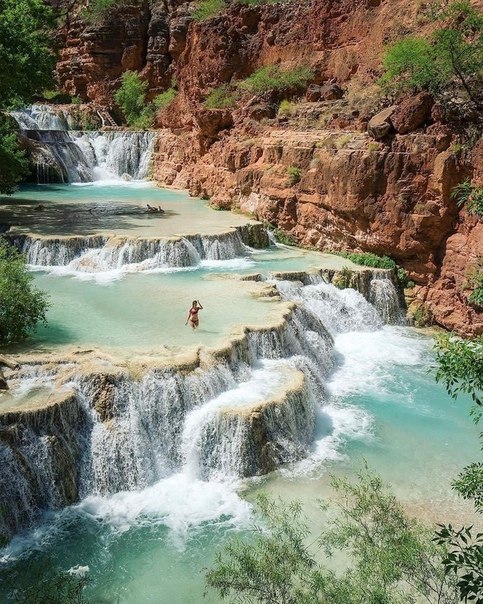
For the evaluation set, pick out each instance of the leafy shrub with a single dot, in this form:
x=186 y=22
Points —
x=294 y=174
x=165 y=98
x=13 y=161
x=220 y=98
x=475 y=282
x=131 y=96
x=470 y=195
x=285 y=108
x=273 y=77
x=207 y=9
x=283 y=237
x=368 y=259
x=22 y=306
x=76 y=100
x=453 y=53
x=393 y=558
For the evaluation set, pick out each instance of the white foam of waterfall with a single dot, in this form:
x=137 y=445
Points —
x=369 y=359
x=105 y=259
x=42 y=117
x=204 y=432
x=384 y=296
x=74 y=156
x=339 y=310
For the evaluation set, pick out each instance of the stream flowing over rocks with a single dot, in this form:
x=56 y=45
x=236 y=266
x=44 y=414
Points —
x=60 y=154
x=236 y=412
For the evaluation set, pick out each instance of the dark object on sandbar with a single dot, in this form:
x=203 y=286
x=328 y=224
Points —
x=39 y=208
x=153 y=210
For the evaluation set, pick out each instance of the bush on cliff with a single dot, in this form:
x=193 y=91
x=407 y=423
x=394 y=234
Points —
x=207 y=9
x=165 y=98
x=131 y=96
x=273 y=77
x=368 y=259
x=452 y=56
x=220 y=98
x=470 y=196
x=22 y=306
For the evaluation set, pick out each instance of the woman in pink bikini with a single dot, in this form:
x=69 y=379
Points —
x=193 y=318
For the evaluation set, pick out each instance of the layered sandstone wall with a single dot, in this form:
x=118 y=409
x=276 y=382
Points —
x=390 y=197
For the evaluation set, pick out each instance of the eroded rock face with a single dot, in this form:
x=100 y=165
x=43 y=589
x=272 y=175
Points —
x=395 y=200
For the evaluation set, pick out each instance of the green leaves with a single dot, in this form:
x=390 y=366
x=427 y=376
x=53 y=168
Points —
x=22 y=306
x=452 y=57
x=274 y=77
x=460 y=366
x=131 y=96
x=367 y=259
x=13 y=162
x=26 y=68
x=464 y=560
x=26 y=57
x=393 y=560
x=470 y=195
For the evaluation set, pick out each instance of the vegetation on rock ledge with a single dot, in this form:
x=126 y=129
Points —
x=450 y=58
x=470 y=196
x=368 y=259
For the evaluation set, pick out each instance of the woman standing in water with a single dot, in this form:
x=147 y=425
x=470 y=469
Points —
x=193 y=318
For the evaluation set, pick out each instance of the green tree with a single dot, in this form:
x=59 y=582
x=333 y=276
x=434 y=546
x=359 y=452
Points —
x=451 y=56
x=26 y=68
x=13 y=162
x=22 y=306
x=460 y=369
x=394 y=559
x=131 y=96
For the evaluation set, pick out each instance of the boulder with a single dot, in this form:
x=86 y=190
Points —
x=313 y=93
x=331 y=92
x=380 y=124
x=412 y=112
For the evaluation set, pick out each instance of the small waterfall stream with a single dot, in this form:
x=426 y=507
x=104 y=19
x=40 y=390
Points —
x=62 y=154
x=97 y=253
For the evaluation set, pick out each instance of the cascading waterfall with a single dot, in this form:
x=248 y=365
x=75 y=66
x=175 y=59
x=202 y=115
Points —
x=96 y=254
x=385 y=297
x=65 y=155
x=243 y=411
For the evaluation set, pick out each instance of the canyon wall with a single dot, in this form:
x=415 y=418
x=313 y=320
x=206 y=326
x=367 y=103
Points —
x=322 y=170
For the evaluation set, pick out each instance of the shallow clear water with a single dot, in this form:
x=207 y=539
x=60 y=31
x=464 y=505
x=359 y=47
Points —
x=147 y=311
x=151 y=546
x=110 y=207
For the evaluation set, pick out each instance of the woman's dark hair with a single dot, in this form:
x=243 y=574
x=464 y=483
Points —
x=194 y=302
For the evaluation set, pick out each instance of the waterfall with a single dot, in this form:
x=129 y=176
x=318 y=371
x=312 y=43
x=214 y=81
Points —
x=385 y=298
x=97 y=254
x=65 y=155
x=236 y=412
x=239 y=415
